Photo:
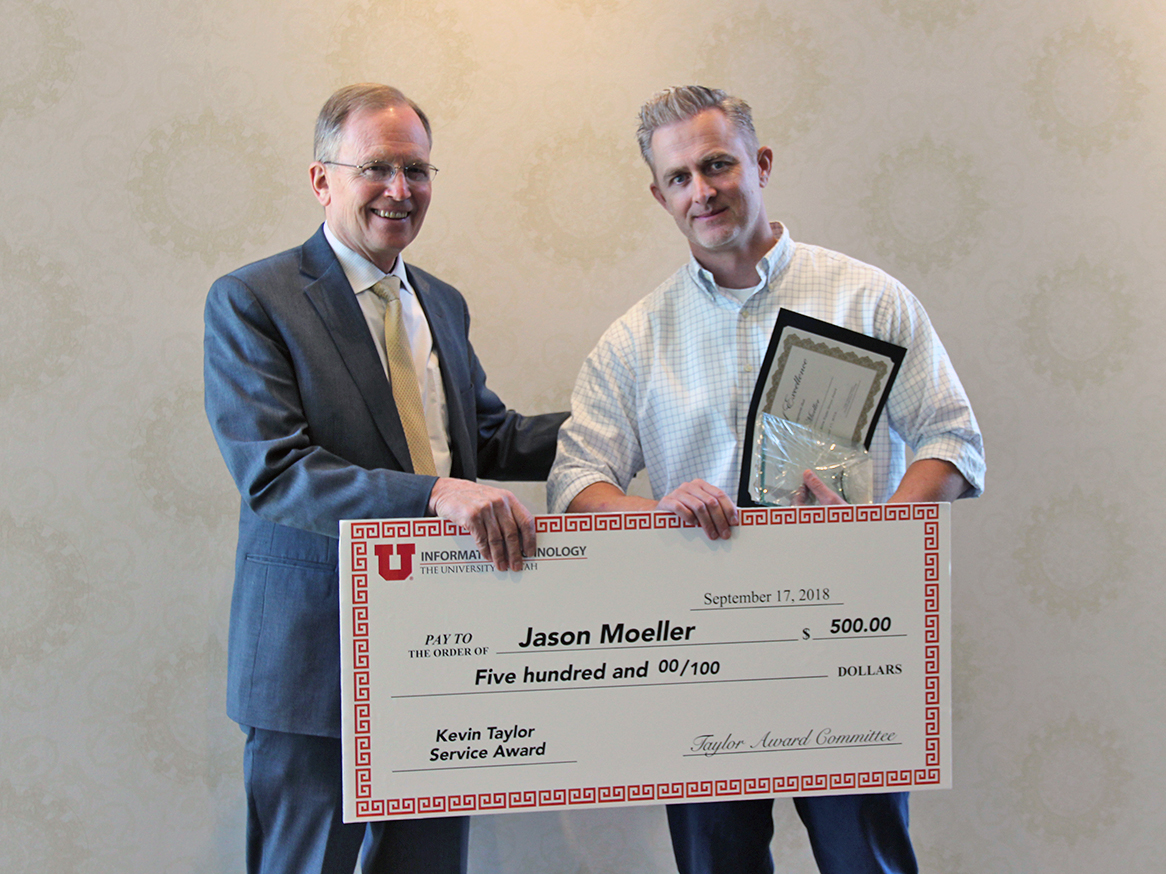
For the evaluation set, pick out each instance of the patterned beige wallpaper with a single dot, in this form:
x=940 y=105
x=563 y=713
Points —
x=1004 y=159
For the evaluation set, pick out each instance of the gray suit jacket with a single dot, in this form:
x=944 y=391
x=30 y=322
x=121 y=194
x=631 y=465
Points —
x=304 y=417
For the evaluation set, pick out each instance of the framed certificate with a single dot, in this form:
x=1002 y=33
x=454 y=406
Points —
x=831 y=379
x=634 y=661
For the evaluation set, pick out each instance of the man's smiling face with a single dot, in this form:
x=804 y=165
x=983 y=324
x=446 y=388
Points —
x=375 y=220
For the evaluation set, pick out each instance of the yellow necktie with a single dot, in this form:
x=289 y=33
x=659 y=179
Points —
x=404 y=378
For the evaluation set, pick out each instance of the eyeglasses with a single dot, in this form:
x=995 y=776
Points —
x=382 y=172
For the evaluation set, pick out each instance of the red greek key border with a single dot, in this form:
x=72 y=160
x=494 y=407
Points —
x=496 y=802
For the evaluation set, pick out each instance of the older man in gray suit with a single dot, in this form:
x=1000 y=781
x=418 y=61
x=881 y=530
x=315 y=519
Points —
x=304 y=357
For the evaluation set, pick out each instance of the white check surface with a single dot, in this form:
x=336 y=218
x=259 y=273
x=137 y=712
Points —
x=636 y=662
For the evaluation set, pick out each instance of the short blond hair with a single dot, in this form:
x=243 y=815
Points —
x=680 y=103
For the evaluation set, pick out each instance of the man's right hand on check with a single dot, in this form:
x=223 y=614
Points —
x=702 y=504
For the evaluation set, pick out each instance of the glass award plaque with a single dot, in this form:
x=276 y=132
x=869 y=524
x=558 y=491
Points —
x=831 y=380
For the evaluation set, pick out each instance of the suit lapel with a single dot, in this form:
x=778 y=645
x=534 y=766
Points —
x=331 y=296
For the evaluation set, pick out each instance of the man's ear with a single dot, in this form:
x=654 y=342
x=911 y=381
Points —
x=764 y=164
x=319 y=177
x=656 y=194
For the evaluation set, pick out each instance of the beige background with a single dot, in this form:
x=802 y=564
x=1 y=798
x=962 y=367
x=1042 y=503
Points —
x=1004 y=159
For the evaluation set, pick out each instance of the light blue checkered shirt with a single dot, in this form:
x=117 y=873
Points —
x=668 y=386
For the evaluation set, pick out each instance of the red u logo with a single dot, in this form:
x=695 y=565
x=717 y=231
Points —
x=405 y=552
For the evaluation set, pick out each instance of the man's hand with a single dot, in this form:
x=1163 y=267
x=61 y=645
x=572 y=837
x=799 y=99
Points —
x=703 y=504
x=813 y=485
x=927 y=480
x=503 y=529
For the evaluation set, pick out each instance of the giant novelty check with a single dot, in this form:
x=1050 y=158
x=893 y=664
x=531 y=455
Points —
x=633 y=661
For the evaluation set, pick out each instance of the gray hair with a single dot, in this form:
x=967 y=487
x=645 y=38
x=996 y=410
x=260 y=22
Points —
x=356 y=98
x=681 y=103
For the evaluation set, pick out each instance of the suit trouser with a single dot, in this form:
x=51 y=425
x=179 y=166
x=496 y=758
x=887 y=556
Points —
x=295 y=823
x=849 y=834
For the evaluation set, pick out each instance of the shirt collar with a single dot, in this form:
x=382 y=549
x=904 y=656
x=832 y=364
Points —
x=361 y=273
x=771 y=264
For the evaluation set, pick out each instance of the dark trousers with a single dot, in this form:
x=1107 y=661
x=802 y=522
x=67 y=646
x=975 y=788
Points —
x=849 y=834
x=295 y=824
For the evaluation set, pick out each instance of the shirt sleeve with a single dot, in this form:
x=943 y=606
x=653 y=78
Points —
x=928 y=406
x=601 y=440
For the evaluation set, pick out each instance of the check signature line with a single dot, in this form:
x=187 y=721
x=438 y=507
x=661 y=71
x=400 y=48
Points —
x=789 y=750
x=612 y=686
x=478 y=767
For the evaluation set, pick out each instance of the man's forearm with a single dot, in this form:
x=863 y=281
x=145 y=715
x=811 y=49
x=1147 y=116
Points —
x=604 y=497
x=930 y=479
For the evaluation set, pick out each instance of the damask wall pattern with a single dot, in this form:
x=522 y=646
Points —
x=1004 y=159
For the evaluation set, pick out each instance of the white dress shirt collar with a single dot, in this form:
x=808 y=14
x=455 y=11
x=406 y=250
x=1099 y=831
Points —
x=361 y=273
x=771 y=264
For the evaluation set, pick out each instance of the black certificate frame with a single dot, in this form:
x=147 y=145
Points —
x=829 y=332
